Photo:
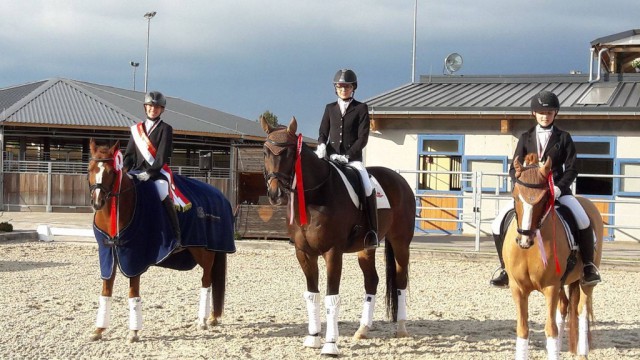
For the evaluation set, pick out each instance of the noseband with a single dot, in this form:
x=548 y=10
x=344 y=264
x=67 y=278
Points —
x=531 y=232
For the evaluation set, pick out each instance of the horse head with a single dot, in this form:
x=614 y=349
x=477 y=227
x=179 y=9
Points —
x=101 y=173
x=531 y=196
x=279 y=159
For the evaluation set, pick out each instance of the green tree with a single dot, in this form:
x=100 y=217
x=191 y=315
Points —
x=271 y=118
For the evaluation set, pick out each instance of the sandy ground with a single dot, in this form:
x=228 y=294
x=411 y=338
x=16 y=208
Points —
x=49 y=294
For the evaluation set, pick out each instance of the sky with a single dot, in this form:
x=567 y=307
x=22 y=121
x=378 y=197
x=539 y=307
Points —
x=245 y=57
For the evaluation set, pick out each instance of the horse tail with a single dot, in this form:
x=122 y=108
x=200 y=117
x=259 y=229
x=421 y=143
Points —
x=391 y=299
x=218 y=283
x=574 y=302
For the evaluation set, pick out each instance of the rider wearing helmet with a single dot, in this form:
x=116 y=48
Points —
x=344 y=132
x=148 y=151
x=548 y=141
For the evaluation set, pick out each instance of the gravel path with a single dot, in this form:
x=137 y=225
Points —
x=49 y=294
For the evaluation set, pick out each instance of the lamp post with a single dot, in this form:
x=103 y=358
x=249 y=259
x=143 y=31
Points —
x=147 y=16
x=134 y=65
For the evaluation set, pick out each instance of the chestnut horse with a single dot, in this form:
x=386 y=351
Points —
x=108 y=193
x=538 y=257
x=336 y=226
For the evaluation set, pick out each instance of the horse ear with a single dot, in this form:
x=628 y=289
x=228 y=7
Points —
x=293 y=126
x=92 y=145
x=517 y=166
x=115 y=147
x=265 y=125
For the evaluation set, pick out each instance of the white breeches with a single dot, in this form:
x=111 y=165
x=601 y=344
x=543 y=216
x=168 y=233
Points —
x=163 y=188
x=366 y=183
x=569 y=201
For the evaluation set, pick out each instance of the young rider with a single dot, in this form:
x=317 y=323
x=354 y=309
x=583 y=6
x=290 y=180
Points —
x=344 y=132
x=548 y=141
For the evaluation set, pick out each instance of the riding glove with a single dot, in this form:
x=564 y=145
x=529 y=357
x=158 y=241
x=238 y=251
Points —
x=321 y=151
x=143 y=176
x=340 y=158
x=556 y=192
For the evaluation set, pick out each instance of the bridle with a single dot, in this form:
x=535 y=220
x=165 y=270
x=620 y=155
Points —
x=285 y=180
x=108 y=193
x=544 y=185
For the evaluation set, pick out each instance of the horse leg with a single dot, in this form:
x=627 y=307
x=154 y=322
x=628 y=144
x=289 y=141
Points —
x=552 y=295
x=367 y=262
x=397 y=268
x=205 y=259
x=135 y=309
x=309 y=265
x=104 y=307
x=521 y=299
x=218 y=287
x=333 y=259
x=561 y=315
x=585 y=314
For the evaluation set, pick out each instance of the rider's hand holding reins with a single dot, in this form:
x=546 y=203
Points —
x=556 y=192
x=340 y=158
x=321 y=151
x=143 y=176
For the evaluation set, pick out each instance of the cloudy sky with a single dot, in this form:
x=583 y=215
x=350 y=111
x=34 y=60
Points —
x=247 y=56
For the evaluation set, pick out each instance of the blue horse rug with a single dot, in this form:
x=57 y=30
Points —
x=149 y=240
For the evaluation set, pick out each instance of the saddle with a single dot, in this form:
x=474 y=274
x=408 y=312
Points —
x=353 y=177
x=566 y=218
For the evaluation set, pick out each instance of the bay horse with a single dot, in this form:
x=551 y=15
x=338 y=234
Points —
x=538 y=257
x=336 y=226
x=117 y=203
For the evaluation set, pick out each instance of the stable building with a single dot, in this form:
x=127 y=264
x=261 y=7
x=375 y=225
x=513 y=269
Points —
x=452 y=137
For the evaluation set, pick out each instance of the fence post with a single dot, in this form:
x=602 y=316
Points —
x=49 y=180
x=477 y=205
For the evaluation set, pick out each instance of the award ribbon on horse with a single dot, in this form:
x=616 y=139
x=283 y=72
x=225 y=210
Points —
x=299 y=184
x=115 y=204
x=551 y=208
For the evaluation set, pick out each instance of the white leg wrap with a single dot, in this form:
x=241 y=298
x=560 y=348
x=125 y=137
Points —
x=402 y=304
x=205 y=304
x=553 y=353
x=367 y=310
x=583 y=334
x=135 y=313
x=560 y=325
x=522 y=349
x=313 y=311
x=332 y=304
x=104 y=312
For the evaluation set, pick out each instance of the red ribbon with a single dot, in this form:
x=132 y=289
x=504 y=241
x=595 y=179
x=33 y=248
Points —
x=299 y=185
x=552 y=208
x=117 y=168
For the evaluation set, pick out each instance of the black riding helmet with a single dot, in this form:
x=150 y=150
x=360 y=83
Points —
x=155 y=98
x=545 y=101
x=346 y=76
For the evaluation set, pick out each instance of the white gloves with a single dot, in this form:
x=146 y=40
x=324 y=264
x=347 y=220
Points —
x=143 y=176
x=321 y=151
x=341 y=158
x=556 y=192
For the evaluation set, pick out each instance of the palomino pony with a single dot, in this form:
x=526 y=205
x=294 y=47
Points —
x=132 y=247
x=325 y=222
x=538 y=257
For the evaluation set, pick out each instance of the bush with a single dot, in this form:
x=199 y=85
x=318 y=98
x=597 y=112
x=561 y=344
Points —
x=6 y=227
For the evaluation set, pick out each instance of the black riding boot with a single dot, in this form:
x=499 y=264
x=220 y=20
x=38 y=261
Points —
x=587 y=244
x=502 y=280
x=173 y=218
x=371 y=237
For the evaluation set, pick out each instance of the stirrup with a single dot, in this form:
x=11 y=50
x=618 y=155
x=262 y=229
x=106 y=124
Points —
x=368 y=244
x=595 y=279
x=500 y=281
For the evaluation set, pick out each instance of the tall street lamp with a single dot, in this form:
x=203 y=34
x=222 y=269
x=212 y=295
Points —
x=134 y=65
x=147 y=16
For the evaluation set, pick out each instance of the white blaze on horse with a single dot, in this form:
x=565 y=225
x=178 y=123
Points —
x=325 y=221
x=133 y=236
x=538 y=256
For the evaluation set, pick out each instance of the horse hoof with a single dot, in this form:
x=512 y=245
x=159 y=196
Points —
x=202 y=326
x=330 y=349
x=213 y=321
x=402 y=329
x=402 y=334
x=133 y=337
x=312 y=342
x=362 y=333
x=97 y=335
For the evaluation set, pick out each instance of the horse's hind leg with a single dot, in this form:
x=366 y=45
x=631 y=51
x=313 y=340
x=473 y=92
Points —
x=367 y=261
x=585 y=315
x=104 y=307
x=135 y=309
x=561 y=316
x=205 y=259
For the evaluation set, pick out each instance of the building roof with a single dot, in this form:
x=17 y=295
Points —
x=68 y=103
x=510 y=96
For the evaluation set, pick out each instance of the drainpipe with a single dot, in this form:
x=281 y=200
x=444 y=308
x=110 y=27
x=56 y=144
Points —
x=602 y=51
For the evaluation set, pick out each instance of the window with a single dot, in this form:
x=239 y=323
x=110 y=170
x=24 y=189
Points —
x=441 y=155
x=492 y=166
x=595 y=157
x=629 y=186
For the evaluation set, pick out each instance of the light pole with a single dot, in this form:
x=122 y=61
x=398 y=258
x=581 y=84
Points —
x=147 y=16
x=134 y=65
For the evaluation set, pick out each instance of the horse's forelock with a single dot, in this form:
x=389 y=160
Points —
x=279 y=137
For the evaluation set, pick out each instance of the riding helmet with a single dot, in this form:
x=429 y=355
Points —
x=545 y=101
x=155 y=98
x=346 y=76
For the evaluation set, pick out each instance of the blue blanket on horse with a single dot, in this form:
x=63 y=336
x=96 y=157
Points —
x=149 y=240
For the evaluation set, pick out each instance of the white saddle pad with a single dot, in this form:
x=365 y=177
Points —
x=382 y=200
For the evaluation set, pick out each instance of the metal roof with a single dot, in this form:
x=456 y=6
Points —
x=71 y=103
x=510 y=95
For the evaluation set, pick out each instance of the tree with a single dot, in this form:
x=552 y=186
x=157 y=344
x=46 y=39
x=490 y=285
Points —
x=271 y=118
